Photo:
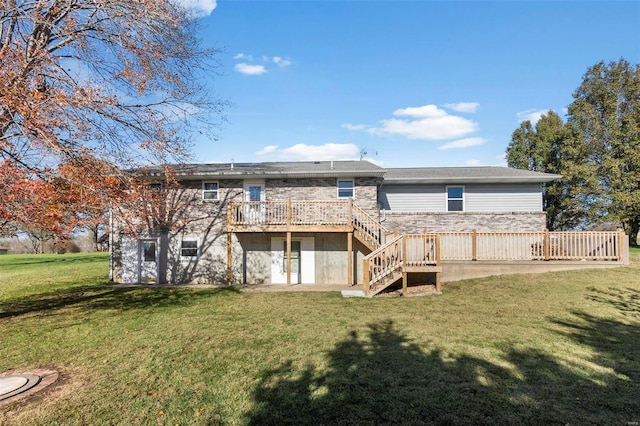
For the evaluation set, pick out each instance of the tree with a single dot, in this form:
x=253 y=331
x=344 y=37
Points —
x=605 y=116
x=97 y=85
x=550 y=147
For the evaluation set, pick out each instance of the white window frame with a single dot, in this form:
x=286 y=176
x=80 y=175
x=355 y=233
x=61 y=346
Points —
x=447 y=199
x=182 y=241
x=216 y=191
x=353 y=188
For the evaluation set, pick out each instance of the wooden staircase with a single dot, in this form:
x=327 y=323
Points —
x=391 y=261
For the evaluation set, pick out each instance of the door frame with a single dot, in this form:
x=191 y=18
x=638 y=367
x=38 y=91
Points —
x=141 y=242
x=307 y=259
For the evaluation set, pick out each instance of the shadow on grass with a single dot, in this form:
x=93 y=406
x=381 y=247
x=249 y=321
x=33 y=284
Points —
x=104 y=296
x=383 y=378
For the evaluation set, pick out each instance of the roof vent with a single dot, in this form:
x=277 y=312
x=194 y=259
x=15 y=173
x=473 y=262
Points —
x=231 y=163
x=331 y=164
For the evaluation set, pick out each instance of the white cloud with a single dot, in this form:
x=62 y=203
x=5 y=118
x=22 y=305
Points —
x=349 y=126
x=470 y=107
x=243 y=56
x=248 y=69
x=425 y=111
x=303 y=152
x=473 y=162
x=199 y=7
x=533 y=115
x=463 y=143
x=440 y=128
x=267 y=150
x=281 y=62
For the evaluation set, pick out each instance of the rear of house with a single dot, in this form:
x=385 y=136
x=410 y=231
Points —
x=315 y=222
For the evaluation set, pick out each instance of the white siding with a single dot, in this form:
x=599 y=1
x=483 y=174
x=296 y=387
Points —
x=413 y=198
x=503 y=198
x=525 y=197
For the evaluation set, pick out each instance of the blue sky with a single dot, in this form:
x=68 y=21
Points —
x=416 y=83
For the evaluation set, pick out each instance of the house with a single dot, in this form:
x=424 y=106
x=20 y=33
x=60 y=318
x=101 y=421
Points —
x=318 y=222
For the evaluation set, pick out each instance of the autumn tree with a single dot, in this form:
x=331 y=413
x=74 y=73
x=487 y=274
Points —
x=117 y=82
x=550 y=147
x=605 y=116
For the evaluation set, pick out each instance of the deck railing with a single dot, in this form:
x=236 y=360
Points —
x=289 y=213
x=531 y=245
x=398 y=255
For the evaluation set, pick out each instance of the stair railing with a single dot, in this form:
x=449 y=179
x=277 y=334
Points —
x=382 y=263
x=368 y=228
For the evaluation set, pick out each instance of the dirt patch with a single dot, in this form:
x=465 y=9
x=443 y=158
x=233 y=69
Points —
x=413 y=290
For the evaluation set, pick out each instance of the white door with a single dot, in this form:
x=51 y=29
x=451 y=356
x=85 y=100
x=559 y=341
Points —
x=254 y=194
x=302 y=260
x=148 y=261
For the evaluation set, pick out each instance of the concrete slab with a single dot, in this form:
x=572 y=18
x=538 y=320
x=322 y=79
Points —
x=352 y=293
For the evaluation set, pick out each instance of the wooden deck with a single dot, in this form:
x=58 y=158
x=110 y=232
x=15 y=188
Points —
x=394 y=256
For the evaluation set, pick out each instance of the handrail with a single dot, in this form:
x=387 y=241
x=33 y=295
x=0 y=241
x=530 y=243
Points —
x=368 y=228
x=382 y=262
x=398 y=254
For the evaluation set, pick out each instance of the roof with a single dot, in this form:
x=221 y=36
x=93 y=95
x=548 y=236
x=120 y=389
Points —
x=274 y=170
x=493 y=174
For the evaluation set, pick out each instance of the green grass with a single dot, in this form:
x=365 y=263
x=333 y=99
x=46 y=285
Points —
x=556 y=348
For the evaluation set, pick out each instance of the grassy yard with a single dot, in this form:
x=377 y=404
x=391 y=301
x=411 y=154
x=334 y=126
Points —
x=560 y=348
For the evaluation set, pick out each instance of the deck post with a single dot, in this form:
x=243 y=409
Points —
x=365 y=276
x=289 y=212
x=350 y=258
x=229 y=255
x=438 y=283
x=474 y=245
x=351 y=211
x=404 y=264
x=288 y=257
x=547 y=245
x=622 y=245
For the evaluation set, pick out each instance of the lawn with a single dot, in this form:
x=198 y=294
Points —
x=559 y=348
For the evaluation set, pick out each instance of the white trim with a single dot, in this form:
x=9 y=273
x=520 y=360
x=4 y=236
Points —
x=141 y=241
x=248 y=183
x=217 y=191
x=190 y=258
x=353 y=188
x=446 y=197
x=307 y=260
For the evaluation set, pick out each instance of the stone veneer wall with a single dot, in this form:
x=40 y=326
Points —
x=464 y=222
x=324 y=189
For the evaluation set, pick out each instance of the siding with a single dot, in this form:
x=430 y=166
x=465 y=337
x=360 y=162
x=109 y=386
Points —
x=503 y=198
x=412 y=198
x=478 y=198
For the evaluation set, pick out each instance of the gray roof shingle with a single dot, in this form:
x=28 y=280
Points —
x=293 y=169
x=490 y=174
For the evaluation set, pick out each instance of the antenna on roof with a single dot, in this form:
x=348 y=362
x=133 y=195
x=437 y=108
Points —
x=231 y=163
x=331 y=164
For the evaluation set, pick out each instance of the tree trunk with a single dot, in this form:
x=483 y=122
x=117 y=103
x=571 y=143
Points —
x=633 y=233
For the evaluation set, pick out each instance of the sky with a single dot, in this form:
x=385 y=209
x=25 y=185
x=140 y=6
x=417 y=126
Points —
x=402 y=84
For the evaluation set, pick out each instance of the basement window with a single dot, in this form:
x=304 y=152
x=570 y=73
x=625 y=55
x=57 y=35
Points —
x=455 y=198
x=189 y=248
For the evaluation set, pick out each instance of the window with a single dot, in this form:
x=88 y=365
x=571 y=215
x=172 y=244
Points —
x=149 y=250
x=155 y=187
x=210 y=191
x=189 y=248
x=455 y=198
x=345 y=188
